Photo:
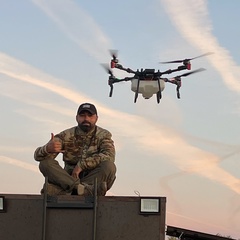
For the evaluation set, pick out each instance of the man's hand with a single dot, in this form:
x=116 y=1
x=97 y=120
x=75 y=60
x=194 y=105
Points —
x=54 y=145
x=76 y=171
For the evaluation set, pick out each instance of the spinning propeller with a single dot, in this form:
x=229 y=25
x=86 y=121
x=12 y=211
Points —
x=114 y=60
x=113 y=53
x=189 y=73
x=186 y=62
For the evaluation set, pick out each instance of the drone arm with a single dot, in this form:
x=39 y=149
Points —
x=180 y=68
x=117 y=80
x=173 y=81
x=119 y=66
x=113 y=80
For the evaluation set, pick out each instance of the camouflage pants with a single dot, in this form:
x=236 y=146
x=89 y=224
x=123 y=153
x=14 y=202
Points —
x=104 y=172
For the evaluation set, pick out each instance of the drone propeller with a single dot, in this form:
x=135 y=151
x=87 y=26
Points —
x=114 y=60
x=108 y=69
x=189 y=73
x=113 y=53
x=184 y=61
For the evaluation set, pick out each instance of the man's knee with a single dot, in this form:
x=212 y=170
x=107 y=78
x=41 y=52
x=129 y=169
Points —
x=108 y=167
x=46 y=164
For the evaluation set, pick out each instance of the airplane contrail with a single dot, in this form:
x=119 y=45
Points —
x=19 y=163
x=193 y=220
x=192 y=21
x=73 y=22
x=79 y=26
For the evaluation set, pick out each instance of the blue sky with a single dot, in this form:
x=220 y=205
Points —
x=186 y=150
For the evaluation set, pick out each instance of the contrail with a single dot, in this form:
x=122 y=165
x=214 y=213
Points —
x=18 y=163
x=25 y=73
x=15 y=149
x=193 y=220
x=188 y=158
x=79 y=26
x=192 y=20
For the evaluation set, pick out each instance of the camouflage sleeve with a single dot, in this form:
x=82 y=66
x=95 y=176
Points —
x=42 y=154
x=106 y=152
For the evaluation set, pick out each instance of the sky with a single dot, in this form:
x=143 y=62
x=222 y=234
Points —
x=187 y=150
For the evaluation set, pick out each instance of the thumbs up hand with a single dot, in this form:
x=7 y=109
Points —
x=54 y=145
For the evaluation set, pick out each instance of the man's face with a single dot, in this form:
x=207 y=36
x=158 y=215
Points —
x=86 y=121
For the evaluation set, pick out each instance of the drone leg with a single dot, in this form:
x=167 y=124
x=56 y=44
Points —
x=111 y=91
x=178 y=92
x=159 y=96
x=136 y=94
x=179 y=84
x=159 y=93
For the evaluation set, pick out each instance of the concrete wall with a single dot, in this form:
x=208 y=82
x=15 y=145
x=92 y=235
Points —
x=116 y=218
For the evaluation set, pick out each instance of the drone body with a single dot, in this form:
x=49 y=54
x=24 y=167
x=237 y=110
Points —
x=149 y=82
x=147 y=88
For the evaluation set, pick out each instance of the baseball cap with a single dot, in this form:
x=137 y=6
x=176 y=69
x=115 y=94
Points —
x=87 y=107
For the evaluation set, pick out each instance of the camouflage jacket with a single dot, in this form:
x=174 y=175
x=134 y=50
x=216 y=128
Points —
x=86 y=150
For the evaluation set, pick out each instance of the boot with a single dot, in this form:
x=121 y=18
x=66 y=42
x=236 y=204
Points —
x=53 y=190
x=88 y=190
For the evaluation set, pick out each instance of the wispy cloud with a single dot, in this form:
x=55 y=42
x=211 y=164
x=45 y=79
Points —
x=192 y=21
x=19 y=163
x=178 y=219
x=79 y=26
x=187 y=157
x=23 y=72
x=17 y=149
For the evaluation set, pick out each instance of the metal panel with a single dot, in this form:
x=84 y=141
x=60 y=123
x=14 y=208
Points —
x=117 y=218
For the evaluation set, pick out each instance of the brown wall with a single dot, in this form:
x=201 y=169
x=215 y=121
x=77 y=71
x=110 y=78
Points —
x=117 y=218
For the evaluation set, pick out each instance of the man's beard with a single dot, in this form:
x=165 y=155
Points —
x=86 y=128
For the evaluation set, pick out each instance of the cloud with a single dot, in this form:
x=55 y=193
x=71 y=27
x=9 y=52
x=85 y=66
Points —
x=25 y=73
x=154 y=137
x=192 y=21
x=79 y=26
x=20 y=164
x=15 y=149
x=193 y=220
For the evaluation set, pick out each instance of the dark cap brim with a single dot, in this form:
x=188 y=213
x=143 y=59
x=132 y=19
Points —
x=87 y=110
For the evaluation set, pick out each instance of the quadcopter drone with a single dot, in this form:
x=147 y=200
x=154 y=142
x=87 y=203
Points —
x=150 y=81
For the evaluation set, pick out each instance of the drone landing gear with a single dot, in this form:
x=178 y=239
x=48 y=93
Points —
x=178 y=95
x=136 y=93
x=159 y=96
x=159 y=93
x=136 y=96
x=178 y=92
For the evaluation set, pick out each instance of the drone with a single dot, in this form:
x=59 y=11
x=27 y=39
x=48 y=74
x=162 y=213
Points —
x=149 y=82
